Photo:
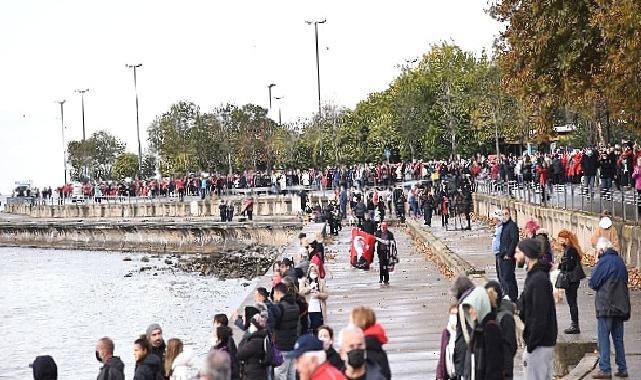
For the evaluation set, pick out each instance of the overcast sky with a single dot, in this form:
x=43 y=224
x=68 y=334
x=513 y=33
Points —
x=208 y=52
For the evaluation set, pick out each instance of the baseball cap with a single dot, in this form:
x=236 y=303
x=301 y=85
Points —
x=304 y=344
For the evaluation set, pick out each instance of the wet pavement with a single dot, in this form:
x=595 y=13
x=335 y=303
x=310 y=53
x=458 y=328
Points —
x=413 y=309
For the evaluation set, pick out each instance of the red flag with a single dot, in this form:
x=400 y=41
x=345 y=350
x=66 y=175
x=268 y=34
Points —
x=362 y=245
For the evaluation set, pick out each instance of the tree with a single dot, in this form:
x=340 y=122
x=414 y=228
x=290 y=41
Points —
x=126 y=166
x=97 y=155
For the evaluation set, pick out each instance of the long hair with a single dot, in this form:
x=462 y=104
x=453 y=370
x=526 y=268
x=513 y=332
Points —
x=174 y=348
x=573 y=241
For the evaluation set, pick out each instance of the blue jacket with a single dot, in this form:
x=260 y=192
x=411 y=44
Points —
x=610 y=281
x=496 y=240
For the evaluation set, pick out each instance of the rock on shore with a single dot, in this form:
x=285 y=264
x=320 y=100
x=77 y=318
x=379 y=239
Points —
x=249 y=262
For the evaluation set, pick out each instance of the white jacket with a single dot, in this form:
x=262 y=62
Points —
x=183 y=367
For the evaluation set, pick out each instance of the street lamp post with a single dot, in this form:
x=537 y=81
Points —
x=82 y=96
x=280 y=120
x=315 y=23
x=62 y=123
x=135 y=66
x=269 y=88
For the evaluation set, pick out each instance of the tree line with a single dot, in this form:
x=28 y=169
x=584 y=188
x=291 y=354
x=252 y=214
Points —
x=556 y=63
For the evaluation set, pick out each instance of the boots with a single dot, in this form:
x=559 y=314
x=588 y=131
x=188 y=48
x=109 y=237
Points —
x=574 y=329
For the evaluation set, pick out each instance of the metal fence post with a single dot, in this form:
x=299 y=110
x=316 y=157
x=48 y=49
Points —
x=623 y=203
x=572 y=195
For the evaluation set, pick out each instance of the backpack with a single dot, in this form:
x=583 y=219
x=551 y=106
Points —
x=272 y=355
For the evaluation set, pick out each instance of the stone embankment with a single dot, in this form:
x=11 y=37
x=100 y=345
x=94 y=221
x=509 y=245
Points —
x=157 y=236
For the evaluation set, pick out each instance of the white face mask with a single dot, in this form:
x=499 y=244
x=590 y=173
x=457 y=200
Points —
x=252 y=328
x=451 y=323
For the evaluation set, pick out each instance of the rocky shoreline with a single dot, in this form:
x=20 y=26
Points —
x=249 y=262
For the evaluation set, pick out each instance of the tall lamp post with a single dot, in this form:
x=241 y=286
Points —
x=269 y=88
x=280 y=120
x=135 y=66
x=315 y=23
x=62 y=123
x=82 y=96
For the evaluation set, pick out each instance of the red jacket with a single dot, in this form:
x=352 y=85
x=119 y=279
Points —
x=327 y=372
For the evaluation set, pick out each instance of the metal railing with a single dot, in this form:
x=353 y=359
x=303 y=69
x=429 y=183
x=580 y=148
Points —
x=623 y=202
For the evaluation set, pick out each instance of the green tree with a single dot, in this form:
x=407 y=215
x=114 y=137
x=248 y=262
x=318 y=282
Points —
x=126 y=166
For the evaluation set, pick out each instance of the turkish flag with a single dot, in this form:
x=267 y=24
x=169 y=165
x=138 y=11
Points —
x=362 y=245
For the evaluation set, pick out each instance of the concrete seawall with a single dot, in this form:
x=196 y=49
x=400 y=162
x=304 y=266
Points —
x=145 y=236
x=553 y=219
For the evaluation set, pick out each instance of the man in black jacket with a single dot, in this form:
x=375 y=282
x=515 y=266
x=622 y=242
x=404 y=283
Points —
x=504 y=310
x=537 y=311
x=286 y=317
x=113 y=368
x=384 y=239
x=590 y=164
x=154 y=336
x=507 y=263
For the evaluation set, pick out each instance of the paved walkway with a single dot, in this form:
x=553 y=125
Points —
x=475 y=247
x=413 y=309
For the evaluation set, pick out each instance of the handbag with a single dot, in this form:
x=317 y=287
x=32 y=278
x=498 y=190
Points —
x=562 y=281
x=577 y=273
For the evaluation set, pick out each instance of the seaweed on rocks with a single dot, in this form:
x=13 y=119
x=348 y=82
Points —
x=248 y=262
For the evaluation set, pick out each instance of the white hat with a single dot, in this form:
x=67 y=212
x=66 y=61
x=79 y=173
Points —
x=605 y=223
x=497 y=214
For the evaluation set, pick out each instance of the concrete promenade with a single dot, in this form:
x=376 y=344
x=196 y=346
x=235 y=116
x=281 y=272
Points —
x=413 y=309
x=475 y=247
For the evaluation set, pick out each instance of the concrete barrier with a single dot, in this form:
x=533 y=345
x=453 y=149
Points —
x=264 y=205
x=146 y=236
x=552 y=219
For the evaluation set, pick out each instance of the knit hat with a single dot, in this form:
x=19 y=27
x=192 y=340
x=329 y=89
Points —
x=151 y=328
x=480 y=301
x=531 y=248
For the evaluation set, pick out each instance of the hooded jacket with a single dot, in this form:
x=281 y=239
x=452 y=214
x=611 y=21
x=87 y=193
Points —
x=112 y=370
x=610 y=281
x=509 y=239
x=251 y=354
x=160 y=353
x=148 y=369
x=537 y=309
x=375 y=338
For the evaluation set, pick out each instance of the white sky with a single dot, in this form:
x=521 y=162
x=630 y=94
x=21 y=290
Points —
x=208 y=52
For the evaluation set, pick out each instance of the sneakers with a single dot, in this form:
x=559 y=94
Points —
x=572 y=330
x=621 y=374
x=602 y=375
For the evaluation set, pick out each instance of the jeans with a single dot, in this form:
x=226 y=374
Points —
x=508 y=278
x=315 y=321
x=383 y=273
x=605 y=328
x=571 y=295
x=287 y=370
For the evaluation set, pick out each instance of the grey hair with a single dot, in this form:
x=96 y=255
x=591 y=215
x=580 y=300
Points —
x=603 y=244
x=349 y=329
x=320 y=355
x=217 y=366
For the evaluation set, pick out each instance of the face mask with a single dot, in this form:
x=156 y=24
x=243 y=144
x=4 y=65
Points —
x=326 y=344
x=452 y=321
x=356 y=358
x=252 y=328
x=98 y=357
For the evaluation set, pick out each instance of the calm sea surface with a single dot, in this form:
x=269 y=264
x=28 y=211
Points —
x=60 y=302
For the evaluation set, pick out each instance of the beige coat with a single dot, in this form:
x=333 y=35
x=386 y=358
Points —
x=305 y=290
x=609 y=233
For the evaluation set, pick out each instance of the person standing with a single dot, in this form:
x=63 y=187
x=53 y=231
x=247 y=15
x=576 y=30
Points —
x=312 y=287
x=148 y=365
x=607 y=230
x=504 y=309
x=537 y=311
x=428 y=207
x=154 y=337
x=571 y=266
x=497 y=216
x=326 y=335
x=612 y=302
x=509 y=241
x=636 y=178
x=384 y=241
x=286 y=314
x=358 y=365
x=112 y=367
